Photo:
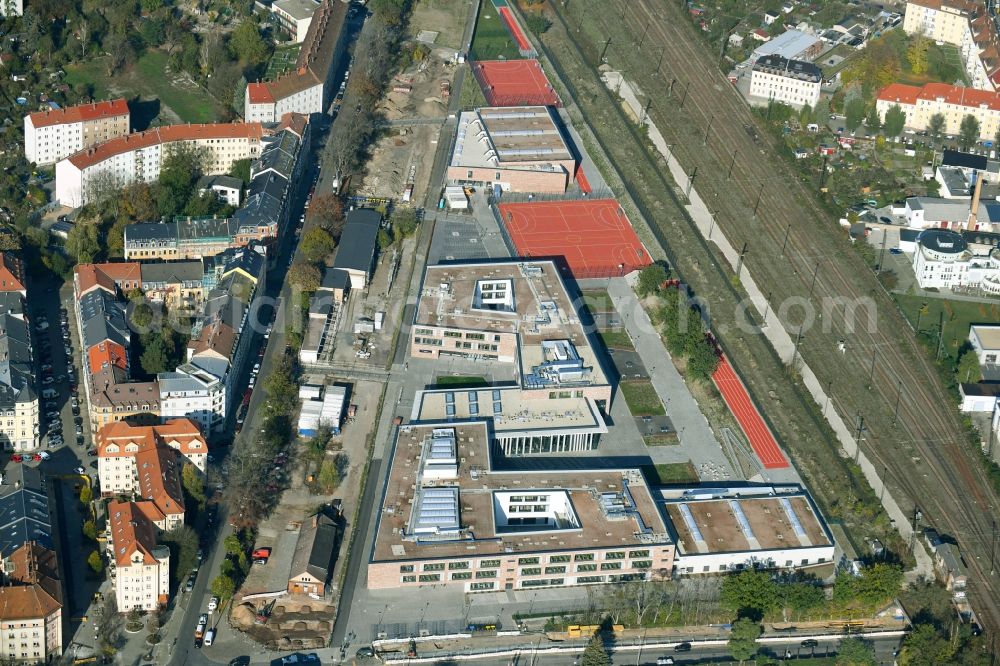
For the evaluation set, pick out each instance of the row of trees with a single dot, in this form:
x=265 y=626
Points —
x=684 y=331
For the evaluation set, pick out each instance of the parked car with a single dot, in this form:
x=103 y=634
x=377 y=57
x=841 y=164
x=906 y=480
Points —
x=44 y=455
x=213 y=603
x=189 y=585
x=80 y=470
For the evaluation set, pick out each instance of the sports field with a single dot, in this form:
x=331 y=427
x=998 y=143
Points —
x=742 y=407
x=514 y=83
x=593 y=236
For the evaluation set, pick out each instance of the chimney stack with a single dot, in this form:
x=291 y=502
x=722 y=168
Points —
x=971 y=225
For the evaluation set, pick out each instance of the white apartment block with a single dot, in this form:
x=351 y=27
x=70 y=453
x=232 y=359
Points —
x=953 y=102
x=294 y=17
x=138 y=157
x=193 y=393
x=268 y=102
x=792 y=82
x=140 y=567
x=943 y=260
x=51 y=135
x=963 y=24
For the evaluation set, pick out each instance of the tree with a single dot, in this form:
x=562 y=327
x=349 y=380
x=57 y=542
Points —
x=232 y=545
x=749 y=592
x=389 y=12
x=877 y=584
x=82 y=242
x=854 y=113
x=872 y=120
x=304 y=276
x=996 y=140
x=595 y=654
x=183 y=544
x=86 y=494
x=650 y=279
x=968 y=132
x=743 y=639
x=247 y=44
x=194 y=484
x=806 y=115
x=241 y=170
x=917 y=54
x=968 y=367
x=154 y=359
x=223 y=587
x=327 y=211
x=935 y=125
x=95 y=562
x=895 y=120
x=317 y=244
x=109 y=626
x=926 y=647
x=404 y=222
x=855 y=652
x=90 y=530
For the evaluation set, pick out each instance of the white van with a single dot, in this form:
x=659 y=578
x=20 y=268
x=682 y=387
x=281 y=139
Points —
x=209 y=637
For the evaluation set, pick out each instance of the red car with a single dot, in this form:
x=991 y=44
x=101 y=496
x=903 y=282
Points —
x=261 y=553
x=17 y=457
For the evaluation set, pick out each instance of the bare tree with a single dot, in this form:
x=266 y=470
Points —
x=109 y=626
x=83 y=30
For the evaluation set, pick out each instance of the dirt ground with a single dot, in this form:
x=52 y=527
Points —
x=403 y=155
x=446 y=17
x=425 y=98
x=295 y=623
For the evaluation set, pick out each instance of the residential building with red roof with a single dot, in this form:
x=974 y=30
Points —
x=307 y=88
x=919 y=103
x=963 y=24
x=12 y=274
x=30 y=605
x=140 y=566
x=53 y=134
x=137 y=157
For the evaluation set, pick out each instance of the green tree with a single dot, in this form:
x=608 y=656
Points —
x=854 y=113
x=86 y=494
x=241 y=170
x=404 y=222
x=749 y=592
x=855 y=652
x=877 y=583
x=223 y=587
x=154 y=357
x=926 y=647
x=743 y=639
x=596 y=654
x=968 y=132
x=895 y=120
x=872 y=120
x=389 y=12
x=317 y=244
x=917 y=54
x=95 y=562
x=183 y=544
x=806 y=115
x=247 y=44
x=650 y=279
x=83 y=242
x=90 y=530
x=232 y=545
x=194 y=484
x=968 y=367
x=935 y=125
x=304 y=276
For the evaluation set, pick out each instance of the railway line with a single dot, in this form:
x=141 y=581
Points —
x=798 y=251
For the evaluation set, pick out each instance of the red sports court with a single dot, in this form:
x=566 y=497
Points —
x=594 y=236
x=514 y=83
x=738 y=400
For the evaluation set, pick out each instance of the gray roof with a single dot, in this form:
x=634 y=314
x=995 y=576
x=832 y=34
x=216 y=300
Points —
x=314 y=549
x=16 y=366
x=206 y=182
x=278 y=154
x=955 y=180
x=964 y=160
x=943 y=241
x=297 y=9
x=24 y=509
x=103 y=318
x=357 y=242
x=952 y=559
x=788 y=44
x=148 y=231
x=796 y=69
x=193 y=228
x=247 y=259
x=940 y=209
x=334 y=278
x=172 y=272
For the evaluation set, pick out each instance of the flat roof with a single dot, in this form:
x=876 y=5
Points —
x=475 y=484
x=499 y=136
x=735 y=520
x=988 y=334
x=297 y=9
x=541 y=308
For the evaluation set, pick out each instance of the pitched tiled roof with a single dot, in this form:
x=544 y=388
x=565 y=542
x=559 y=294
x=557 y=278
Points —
x=11 y=273
x=108 y=276
x=160 y=135
x=957 y=95
x=183 y=431
x=131 y=531
x=80 y=113
x=32 y=590
x=159 y=477
x=106 y=354
x=258 y=93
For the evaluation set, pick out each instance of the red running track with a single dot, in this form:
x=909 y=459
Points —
x=515 y=29
x=738 y=400
x=581 y=180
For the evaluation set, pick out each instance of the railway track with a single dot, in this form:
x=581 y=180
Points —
x=795 y=247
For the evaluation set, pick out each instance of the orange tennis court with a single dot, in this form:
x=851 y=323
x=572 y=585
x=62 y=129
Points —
x=593 y=236
x=738 y=400
x=514 y=83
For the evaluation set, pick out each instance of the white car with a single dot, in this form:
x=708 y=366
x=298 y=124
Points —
x=45 y=455
x=213 y=603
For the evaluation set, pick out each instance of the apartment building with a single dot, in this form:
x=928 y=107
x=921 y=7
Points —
x=19 y=405
x=30 y=605
x=54 y=134
x=793 y=82
x=294 y=17
x=139 y=565
x=176 y=284
x=519 y=149
x=227 y=188
x=450 y=517
x=964 y=24
x=138 y=157
x=953 y=102
x=943 y=259
x=307 y=88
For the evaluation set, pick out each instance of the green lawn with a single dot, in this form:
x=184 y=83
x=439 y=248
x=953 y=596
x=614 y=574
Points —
x=597 y=300
x=957 y=317
x=491 y=40
x=661 y=439
x=671 y=473
x=641 y=399
x=148 y=79
x=616 y=340
x=456 y=381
